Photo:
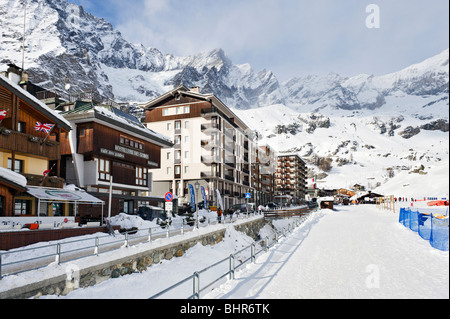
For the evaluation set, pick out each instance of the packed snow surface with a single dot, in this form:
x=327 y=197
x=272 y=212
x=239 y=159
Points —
x=350 y=253
x=354 y=252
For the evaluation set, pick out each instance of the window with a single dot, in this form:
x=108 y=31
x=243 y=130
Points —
x=177 y=125
x=169 y=170
x=177 y=139
x=186 y=139
x=18 y=165
x=177 y=170
x=179 y=110
x=186 y=154
x=169 y=126
x=131 y=143
x=177 y=155
x=21 y=127
x=187 y=109
x=186 y=124
x=165 y=112
x=186 y=169
x=141 y=176
x=104 y=169
x=22 y=207
x=169 y=155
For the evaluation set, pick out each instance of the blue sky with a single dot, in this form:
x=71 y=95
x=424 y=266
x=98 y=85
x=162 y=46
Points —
x=289 y=37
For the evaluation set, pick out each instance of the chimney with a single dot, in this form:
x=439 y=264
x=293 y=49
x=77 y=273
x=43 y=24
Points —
x=14 y=73
x=195 y=89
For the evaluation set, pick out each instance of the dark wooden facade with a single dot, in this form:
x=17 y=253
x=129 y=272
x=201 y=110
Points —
x=94 y=138
x=25 y=150
x=196 y=109
x=8 y=191
x=17 y=133
x=128 y=150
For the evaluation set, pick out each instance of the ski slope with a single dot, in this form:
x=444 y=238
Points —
x=354 y=252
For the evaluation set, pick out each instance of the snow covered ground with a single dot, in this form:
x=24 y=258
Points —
x=352 y=252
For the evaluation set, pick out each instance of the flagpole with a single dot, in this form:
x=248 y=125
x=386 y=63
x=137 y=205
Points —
x=45 y=139
x=45 y=175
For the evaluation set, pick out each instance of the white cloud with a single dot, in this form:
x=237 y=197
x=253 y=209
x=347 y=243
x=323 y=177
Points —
x=290 y=37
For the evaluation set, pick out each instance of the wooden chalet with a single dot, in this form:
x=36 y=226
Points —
x=26 y=151
x=108 y=145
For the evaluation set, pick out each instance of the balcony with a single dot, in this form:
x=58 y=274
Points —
x=210 y=143
x=210 y=159
x=210 y=127
x=29 y=145
x=38 y=180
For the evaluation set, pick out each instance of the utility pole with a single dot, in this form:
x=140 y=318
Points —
x=23 y=38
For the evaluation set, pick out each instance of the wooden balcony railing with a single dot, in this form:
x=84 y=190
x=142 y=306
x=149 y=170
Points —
x=49 y=181
x=29 y=144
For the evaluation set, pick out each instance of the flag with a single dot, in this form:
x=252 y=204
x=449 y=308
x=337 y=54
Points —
x=43 y=127
x=3 y=114
x=46 y=172
x=191 y=190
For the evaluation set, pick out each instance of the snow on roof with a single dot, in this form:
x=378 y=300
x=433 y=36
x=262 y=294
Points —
x=13 y=177
x=126 y=120
x=45 y=108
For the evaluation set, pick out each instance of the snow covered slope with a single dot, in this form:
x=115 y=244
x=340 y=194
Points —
x=366 y=147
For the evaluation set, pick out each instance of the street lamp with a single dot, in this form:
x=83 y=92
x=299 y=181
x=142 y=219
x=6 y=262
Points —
x=197 y=186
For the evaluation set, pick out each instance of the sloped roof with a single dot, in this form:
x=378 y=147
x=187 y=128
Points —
x=35 y=103
x=115 y=116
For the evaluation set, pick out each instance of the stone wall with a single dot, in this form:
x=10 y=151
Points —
x=76 y=278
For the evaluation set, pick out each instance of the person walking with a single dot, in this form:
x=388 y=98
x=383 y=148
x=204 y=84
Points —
x=219 y=215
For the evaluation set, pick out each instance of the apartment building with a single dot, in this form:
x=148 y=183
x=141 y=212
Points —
x=212 y=146
x=264 y=172
x=291 y=176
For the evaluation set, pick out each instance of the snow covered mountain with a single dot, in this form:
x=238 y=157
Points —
x=64 y=43
x=371 y=128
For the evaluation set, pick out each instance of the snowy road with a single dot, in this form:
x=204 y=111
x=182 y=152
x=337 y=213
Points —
x=355 y=252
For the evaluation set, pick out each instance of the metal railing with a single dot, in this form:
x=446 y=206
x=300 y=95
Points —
x=25 y=259
x=249 y=254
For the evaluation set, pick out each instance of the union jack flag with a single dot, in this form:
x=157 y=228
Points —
x=43 y=127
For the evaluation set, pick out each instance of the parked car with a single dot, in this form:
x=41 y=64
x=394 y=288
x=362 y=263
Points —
x=242 y=208
x=151 y=212
x=272 y=205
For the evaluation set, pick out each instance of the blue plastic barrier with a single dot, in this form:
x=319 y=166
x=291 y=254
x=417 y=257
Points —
x=424 y=222
x=414 y=220
x=401 y=217
x=406 y=214
x=439 y=232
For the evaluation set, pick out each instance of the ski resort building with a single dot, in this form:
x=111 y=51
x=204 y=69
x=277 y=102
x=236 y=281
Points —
x=213 y=147
x=110 y=150
x=31 y=139
x=291 y=176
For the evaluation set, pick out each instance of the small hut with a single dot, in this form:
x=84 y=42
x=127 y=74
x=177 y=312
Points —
x=326 y=202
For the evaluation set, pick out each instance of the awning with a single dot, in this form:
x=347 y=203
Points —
x=63 y=195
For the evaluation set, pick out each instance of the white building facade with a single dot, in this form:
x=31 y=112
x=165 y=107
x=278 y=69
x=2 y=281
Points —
x=212 y=146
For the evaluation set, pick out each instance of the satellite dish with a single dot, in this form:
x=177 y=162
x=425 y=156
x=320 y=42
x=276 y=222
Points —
x=67 y=87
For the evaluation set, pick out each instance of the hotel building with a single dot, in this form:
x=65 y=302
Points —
x=213 y=147
x=291 y=176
